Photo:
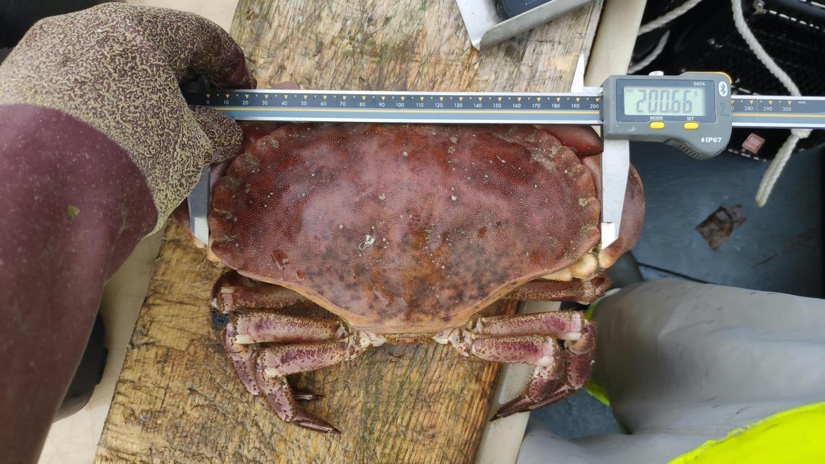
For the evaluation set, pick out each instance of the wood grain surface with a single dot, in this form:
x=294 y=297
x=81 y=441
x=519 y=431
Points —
x=178 y=398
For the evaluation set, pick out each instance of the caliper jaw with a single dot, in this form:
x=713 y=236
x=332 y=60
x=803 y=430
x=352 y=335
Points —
x=615 y=169
x=198 y=201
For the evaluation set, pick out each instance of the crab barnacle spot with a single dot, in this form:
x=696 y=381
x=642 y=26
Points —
x=280 y=258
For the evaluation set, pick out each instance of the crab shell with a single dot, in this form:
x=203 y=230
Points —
x=414 y=228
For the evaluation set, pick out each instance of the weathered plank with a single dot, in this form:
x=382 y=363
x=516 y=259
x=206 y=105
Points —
x=401 y=45
x=178 y=399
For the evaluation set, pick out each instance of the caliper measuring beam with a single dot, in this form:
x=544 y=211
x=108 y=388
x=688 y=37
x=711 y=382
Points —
x=694 y=112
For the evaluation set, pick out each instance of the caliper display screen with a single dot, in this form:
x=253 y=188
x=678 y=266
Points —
x=664 y=101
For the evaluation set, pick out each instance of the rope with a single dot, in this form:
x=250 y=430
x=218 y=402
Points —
x=636 y=67
x=655 y=24
x=783 y=155
x=668 y=17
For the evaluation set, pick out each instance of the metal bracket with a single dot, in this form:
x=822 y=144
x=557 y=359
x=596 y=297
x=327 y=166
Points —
x=487 y=28
x=615 y=168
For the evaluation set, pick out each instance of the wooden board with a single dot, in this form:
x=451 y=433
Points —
x=178 y=399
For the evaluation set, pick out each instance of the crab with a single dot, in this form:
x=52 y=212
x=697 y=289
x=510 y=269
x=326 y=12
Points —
x=405 y=233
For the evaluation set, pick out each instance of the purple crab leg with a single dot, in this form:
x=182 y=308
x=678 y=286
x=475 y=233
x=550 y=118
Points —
x=264 y=326
x=283 y=360
x=544 y=389
x=228 y=298
x=298 y=344
x=309 y=344
x=274 y=363
x=531 y=339
x=561 y=325
x=281 y=399
x=528 y=349
x=549 y=290
x=245 y=329
x=243 y=359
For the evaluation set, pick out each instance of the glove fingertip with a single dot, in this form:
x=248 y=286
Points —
x=222 y=131
x=232 y=73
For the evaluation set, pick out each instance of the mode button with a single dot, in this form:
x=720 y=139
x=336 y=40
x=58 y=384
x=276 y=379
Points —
x=657 y=125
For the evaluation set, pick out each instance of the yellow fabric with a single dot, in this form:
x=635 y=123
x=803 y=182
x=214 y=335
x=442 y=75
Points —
x=589 y=313
x=794 y=436
x=595 y=390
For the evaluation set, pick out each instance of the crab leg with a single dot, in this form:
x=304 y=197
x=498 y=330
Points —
x=274 y=363
x=531 y=339
x=243 y=330
x=237 y=314
x=549 y=290
x=281 y=398
x=544 y=389
x=264 y=326
x=232 y=292
x=561 y=325
x=298 y=344
x=309 y=344
x=283 y=360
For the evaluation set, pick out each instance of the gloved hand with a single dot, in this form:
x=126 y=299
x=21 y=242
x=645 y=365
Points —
x=97 y=146
x=116 y=67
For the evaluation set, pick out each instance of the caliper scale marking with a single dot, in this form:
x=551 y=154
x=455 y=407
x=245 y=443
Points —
x=403 y=107
x=478 y=108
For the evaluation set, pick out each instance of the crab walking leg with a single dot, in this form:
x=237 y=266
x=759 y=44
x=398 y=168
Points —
x=276 y=362
x=233 y=292
x=265 y=326
x=236 y=303
x=545 y=388
x=561 y=325
x=243 y=330
x=531 y=339
x=281 y=399
x=271 y=297
x=583 y=291
x=243 y=360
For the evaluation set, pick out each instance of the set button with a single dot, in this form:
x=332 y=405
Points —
x=690 y=125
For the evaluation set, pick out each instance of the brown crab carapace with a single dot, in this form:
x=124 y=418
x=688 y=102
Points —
x=406 y=233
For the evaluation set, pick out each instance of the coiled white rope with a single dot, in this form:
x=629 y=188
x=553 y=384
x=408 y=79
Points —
x=783 y=155
x=655 y=24
x=636 y=67
x=668 y=17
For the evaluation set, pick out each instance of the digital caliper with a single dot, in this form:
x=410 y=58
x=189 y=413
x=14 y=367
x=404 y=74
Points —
x=694 y=112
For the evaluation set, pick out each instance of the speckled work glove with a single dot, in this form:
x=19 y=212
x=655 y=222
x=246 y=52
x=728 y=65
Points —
x=97 y=146
x=116 y=67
